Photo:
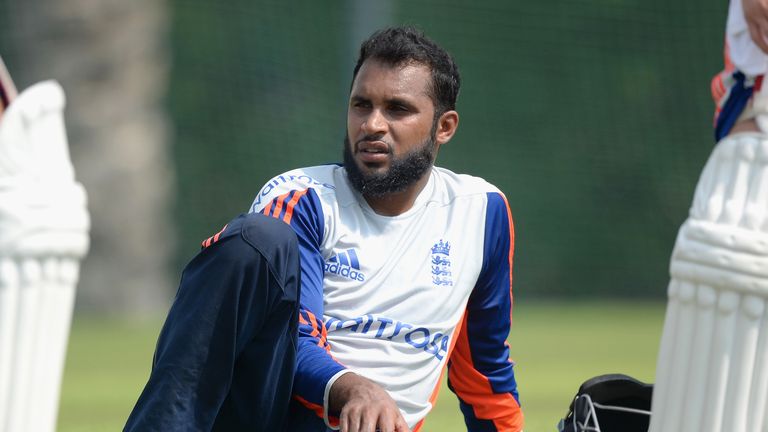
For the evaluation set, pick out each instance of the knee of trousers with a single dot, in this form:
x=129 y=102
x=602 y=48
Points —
x=276 y=241
x=267 y=233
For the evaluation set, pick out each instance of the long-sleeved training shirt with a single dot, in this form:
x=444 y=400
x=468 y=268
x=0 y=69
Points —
x=397 y=299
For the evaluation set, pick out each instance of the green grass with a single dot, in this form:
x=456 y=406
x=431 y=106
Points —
x=108 y=362
x=556 y=345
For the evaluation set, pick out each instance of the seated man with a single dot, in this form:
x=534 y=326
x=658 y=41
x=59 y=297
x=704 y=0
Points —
x=405 y=269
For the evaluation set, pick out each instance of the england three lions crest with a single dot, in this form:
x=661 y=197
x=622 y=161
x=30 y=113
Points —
x=441 y=264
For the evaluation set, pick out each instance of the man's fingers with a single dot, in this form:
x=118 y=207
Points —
x=364 y=406
x=385 y=426
x=371 y=419
x=367 y=421
x=762 y=36
x=402 y=426
x=387 y=422
x=349 y=421
x=756 y=15
x=357 y=419
x=343 y=422
x=758 y=33
x=393 y=422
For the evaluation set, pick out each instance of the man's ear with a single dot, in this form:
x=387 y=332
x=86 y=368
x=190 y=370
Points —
x=446 y=126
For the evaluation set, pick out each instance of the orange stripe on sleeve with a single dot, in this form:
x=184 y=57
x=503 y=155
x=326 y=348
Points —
x=317 y=409
x=474 y=388
x=218 y=234
x=318 y=331
x=302 y=320
x=213 y=239
x=313 y=323
x=267 y=209
x=716 y=88
x=511 y=253
x=436 y=391
x=291 y=204
x=279 y=202
x=279 y=205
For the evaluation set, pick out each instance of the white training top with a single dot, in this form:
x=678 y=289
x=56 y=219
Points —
x=392 y=291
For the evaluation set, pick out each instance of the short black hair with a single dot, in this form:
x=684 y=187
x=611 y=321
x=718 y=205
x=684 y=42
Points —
x=396 y=46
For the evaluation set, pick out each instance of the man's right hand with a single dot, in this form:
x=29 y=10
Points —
x=756 y=15
x=364 y=406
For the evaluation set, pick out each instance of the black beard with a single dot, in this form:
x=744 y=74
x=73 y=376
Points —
x=403 y=171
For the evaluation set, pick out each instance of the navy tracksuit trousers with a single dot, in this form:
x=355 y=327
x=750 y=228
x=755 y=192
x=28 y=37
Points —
x=226 y=355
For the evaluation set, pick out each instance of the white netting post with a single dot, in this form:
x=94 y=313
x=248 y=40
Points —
x=712 y=371
x=43 y=236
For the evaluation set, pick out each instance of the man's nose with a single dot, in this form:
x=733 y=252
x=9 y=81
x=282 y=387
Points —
x=375 y=123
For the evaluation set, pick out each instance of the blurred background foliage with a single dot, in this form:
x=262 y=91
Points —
x=593 y=116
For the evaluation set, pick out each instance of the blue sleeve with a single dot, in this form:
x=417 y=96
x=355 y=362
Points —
x=480 y=372
x=301 y=209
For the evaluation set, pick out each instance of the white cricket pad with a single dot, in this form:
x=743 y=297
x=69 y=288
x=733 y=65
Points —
x=712 y=371
x=43 y=236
